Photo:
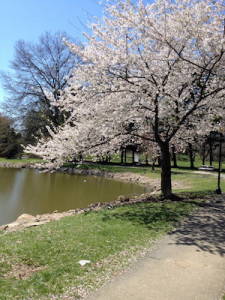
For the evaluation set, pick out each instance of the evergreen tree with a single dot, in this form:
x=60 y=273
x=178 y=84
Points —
x=9 y=140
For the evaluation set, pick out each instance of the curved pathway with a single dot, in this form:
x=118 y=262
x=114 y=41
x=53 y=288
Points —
x=188 y=265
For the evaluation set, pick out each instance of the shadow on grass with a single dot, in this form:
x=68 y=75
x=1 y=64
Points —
x=153 y=215
x=204 y=228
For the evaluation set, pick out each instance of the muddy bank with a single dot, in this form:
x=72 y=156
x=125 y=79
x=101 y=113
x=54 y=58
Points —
x=19 y=165
x=153 y=184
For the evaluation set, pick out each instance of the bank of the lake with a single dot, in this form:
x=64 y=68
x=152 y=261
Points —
x=46 y=262
x=123 y=176
x=16 y=165
x=28 y=191
x=129 y=175
x=182 y=181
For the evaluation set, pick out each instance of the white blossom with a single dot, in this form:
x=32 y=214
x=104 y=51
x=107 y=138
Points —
x=151 y=74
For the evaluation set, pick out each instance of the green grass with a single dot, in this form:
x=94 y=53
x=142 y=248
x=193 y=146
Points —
x=184 y=162
x=198 y=182
x=42 y=262
x=114 y=168
x=110 y=239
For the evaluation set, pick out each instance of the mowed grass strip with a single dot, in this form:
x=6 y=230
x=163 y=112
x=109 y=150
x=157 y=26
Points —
x=42 y=262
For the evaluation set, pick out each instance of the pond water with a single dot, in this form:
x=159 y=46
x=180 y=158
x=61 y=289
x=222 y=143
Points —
x=28 y=191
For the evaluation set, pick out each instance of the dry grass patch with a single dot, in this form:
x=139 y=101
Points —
x=21 y=271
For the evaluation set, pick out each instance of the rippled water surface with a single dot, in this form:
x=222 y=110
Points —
x=28 y=191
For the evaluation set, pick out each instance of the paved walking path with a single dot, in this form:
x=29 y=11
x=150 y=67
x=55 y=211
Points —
x=188 y=265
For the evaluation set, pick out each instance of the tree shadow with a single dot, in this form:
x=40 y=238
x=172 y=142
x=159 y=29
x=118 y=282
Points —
x=205 y=229
x=150 y=215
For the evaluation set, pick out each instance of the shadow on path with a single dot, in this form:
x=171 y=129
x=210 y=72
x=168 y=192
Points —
x=205 y=229
x=188 y=264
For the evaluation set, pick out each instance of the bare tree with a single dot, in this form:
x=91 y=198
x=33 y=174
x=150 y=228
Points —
x=36 y=68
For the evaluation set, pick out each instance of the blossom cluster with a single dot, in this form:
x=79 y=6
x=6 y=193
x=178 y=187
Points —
x=150 y=74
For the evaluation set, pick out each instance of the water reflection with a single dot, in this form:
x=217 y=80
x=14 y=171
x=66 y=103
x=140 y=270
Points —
x=28 y=191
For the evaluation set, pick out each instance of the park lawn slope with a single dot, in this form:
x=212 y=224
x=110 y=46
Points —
x=43 y=262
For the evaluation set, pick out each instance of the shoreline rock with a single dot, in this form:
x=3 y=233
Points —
x=4 y=164
x=26 y=220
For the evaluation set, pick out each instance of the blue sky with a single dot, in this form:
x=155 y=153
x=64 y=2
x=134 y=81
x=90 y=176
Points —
x=28 y=19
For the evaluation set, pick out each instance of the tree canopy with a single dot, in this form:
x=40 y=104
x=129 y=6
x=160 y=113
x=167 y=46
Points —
x=151 y=73
x=9 y=140
x=37 y=68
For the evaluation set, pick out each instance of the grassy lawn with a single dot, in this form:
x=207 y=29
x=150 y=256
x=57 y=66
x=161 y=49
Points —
x=42 y=262
x=183 y=161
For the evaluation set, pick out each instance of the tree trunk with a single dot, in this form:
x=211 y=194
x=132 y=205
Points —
x=146 y=160
x=133 y=153
x=210 y=150
x=166 y=186
x=203 y=160
x=159 y=161
x=153 y=164
x=203 y=154
x=191 y=156
x=122 y=153
x=174 y=157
